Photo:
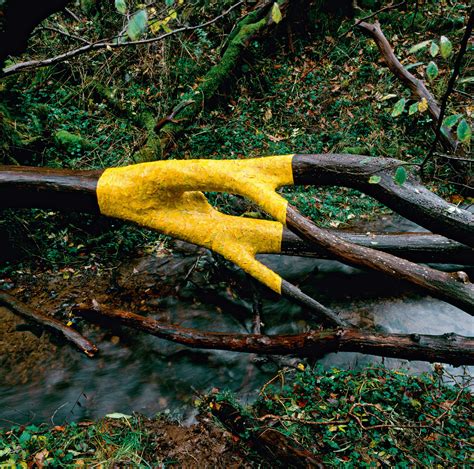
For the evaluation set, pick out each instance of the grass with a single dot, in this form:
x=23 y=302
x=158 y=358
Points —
x=109 y=441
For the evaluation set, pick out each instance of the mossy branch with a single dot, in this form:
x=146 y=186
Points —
x=247 y=29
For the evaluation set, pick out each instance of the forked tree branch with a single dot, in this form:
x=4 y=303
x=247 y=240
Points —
x=32 y=186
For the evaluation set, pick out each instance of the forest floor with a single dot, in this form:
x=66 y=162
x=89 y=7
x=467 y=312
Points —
x=305 y=89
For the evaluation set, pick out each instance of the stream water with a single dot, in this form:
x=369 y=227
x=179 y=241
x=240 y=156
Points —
x=137 y=372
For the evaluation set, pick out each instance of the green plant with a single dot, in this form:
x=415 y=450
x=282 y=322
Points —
x=442 y=49
x=370 y=417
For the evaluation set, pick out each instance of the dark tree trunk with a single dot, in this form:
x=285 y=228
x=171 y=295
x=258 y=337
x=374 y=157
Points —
x=18 y=18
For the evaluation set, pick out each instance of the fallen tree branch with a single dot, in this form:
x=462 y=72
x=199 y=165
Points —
x=417 y=87
x=448 y=348
x=416 y=247
x=411 y=199
x=454 y=288
x=48 y=323
x=449 y=89
x=245 y=30
x=188 y=215
x=28 y=187
x=107 y=44
x=272 y=444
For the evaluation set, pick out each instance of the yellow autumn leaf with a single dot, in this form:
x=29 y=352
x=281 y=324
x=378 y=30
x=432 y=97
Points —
x=300 y=367
x=423 y=105
x=155 y=26
x=276 y=13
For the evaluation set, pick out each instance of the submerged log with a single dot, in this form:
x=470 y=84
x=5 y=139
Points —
x=447 y=348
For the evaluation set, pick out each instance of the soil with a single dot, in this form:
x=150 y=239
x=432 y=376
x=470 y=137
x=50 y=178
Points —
x=26 y=351
x=201 y=445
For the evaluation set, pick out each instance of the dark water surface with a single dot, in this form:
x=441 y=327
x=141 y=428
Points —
x=137 y=372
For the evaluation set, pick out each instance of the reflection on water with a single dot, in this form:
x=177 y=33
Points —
x=136 y=372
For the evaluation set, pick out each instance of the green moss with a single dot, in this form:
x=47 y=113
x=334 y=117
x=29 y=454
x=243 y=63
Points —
x=216 y=76
x=9 y=137
x=72 y=142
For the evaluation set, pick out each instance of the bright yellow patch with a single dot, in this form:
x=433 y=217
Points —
x=164 y=195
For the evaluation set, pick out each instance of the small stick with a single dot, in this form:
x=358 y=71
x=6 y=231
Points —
x=49 y=323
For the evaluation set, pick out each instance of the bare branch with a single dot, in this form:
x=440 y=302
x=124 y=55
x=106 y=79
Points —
x=108 y=44
x=449 y=348
x=49 y=323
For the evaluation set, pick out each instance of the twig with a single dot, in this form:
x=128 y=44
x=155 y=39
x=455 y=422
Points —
x=457 y=158
x=107 y=44
x=452 y=80
x=72 y=14
x=360 y=20
x=63 y=33
x=388 y=7
x=47 y=322
x=170 y=118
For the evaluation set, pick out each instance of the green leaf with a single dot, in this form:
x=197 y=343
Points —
x=121 y=6
x=400 y=176
x=374 y=179
x=451 y=121
x=434 y=49
x=169 y=3
x=137 y=25
x=464 y=131
x=276 y=13
x=399 y=107
x=432 y=71
x=24 y=438
x=410 y=66
x=446 y=47
x=412 y=109
x=419 y=46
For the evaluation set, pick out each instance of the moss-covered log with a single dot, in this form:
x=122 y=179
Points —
x=252 y=26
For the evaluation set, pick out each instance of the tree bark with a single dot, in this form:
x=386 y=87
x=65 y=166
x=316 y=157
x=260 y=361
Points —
x=448 y=348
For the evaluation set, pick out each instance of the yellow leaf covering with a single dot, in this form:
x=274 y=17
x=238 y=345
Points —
x=164 y=196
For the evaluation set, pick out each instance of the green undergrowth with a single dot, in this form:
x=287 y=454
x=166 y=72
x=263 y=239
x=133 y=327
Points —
x=104 y=443
x=373 y=417
x=316 y=86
